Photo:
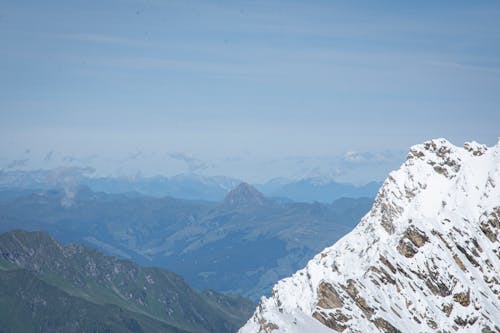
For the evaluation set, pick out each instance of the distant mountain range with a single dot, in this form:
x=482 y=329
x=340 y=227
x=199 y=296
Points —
x=316 y=189
x=185 y=186
x=242 y=244
x=48 y=287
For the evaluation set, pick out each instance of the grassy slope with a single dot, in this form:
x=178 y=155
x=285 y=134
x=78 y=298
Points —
x=89 y=276
x=28 y=304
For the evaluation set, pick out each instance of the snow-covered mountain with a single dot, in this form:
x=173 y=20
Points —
x=426 y=258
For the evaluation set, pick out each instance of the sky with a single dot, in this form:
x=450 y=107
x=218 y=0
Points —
x=248 y=89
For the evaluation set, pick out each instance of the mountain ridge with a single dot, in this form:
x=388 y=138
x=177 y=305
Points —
x=425 y=258
x=75 y=274
x=183 y=186
x=175 y=233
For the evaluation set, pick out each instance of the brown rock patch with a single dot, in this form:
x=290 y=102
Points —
x=335 y=321
x=406 y=248
x=385 y=326
x=328 y=298
x=463 y=298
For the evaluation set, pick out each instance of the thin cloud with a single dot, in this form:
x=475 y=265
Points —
x=105 y=39
x=193 y=164
x=81 y=160
x=134 y=156
x=357 y=157
x=17 y=163
x=48 y=156
x=68 y=178
x=460 y=66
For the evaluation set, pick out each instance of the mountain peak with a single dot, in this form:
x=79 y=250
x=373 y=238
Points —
x=244 y=195
x=424 y=259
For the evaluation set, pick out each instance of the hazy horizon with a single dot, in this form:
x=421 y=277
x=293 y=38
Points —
x=247 y=89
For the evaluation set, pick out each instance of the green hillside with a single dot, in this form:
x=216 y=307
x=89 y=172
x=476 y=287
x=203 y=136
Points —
x=49 y=287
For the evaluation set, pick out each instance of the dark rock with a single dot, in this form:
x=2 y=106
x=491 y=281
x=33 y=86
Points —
x=353 y=292
x=385 y=326
x=267 y=327
x=388 y=264
x=463 y=298
x=437 y=287
x=335 y=321
x=328 y=298
x=459 y=262
x=460 y=321
x=468 y=255
x=432 y=324
x=447 y=308
x=485 y=228
x=416 y=236
x=406 y=248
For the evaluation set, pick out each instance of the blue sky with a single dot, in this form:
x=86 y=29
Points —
x=250 y=89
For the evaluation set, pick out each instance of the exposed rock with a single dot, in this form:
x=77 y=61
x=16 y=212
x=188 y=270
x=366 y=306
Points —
x=437 y=287
x=447 y=308
x=467 y=255
x=267 y=327
x=388 y=210
x=328 y=298
x=432 y=324
x=463 y=298
x=414 y=153
x=416 y=236
x=335 y=321
x=441 y=170
x=460 y=321
x=459 y=262
x=386 y=277
x=475 y=148
x=406 y=248
x=388 y=264
x=353 y=292
x=485 y=228
x=382 y=275
x=385 y=326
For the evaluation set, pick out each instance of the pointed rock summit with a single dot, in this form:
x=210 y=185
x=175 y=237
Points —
x=426 y=258
x=244 y=195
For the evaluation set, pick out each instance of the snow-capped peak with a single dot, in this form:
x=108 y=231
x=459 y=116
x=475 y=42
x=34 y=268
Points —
x=426 y=258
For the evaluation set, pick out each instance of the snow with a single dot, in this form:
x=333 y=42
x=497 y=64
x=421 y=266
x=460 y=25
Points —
x=443 y=191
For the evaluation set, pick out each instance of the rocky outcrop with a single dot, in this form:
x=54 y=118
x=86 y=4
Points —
x=328 y=298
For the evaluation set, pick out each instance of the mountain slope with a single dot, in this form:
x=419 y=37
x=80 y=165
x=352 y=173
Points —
x=29 y=304
x=424 y=259
x=57 y=276
x=206 y=243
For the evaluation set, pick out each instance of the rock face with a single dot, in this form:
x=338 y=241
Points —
x=426 y=258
